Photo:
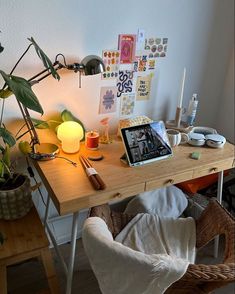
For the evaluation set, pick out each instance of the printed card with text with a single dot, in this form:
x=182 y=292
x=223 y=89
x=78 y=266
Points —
x=156 y=47
x=143 y=86
x=127 y=104
x=127 y=46
x=111 y=60
x=108 y=100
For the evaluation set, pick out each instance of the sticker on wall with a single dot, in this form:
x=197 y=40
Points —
x=151 y=64
x=108 y=99
x=125 y=82
x=156 y=47
x=111 y=60
x=143 y=86
x=141 y=63
x=127 y=45
x=127 y=104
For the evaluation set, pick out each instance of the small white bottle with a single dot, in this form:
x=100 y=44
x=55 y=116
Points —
x=192 y=109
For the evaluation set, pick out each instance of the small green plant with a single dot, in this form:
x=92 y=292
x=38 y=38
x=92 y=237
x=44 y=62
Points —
x=22 y=90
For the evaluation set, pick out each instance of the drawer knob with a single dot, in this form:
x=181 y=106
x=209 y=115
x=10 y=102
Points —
x=214 y=169
x=170 y=181
x=117 y=195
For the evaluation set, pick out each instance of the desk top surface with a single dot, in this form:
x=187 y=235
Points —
x=71 y=190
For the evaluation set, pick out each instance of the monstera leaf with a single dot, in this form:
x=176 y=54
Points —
x=23 y=92
x=7 y=137
x=46 y=61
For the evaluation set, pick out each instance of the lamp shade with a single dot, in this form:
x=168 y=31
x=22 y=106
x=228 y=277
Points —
x=93 y=65
x=70 y=133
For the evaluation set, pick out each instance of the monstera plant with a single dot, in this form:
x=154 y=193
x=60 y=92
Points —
x=22 y=90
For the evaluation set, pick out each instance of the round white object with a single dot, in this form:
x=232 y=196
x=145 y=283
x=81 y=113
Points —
x=196 y=139
x=215 y=140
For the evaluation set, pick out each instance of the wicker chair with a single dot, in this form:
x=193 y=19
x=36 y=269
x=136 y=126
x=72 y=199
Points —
x=199 y=278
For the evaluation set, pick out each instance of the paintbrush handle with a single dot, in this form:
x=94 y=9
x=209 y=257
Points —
x=100 y=181
x=91 y=177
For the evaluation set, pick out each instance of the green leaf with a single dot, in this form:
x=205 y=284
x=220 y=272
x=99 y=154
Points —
x=67 y=115
x=23 y=92
x=6 y=156
x=5 y=93
x=40 y=124
x=46 y=61
x=7 y=137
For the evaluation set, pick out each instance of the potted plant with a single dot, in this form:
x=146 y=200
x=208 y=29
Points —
x=15 y=191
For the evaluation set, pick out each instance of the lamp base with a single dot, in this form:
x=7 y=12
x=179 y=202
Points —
x=44 y=151
x=183 y=126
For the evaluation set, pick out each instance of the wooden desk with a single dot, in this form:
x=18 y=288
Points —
x=71 y=191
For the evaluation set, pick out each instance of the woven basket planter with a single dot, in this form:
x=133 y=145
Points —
x=17 y=202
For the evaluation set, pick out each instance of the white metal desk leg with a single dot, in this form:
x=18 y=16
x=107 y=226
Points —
x=72 y=253
x=219 y=198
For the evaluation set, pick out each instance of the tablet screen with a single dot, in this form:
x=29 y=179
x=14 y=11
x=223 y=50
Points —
x=146 y=143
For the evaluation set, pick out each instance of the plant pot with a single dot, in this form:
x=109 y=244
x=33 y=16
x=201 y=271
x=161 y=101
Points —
x=16 y=203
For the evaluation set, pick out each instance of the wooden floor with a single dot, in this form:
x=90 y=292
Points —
x=29 y=278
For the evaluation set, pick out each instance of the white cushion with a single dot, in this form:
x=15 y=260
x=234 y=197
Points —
x=168 y=202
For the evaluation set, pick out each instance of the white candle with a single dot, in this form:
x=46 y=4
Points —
x=182 y=90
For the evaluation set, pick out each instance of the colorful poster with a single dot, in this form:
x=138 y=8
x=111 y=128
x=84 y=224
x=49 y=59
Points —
x=108 y=99
x=143 y=86
x=127 y=104
x=125 y=82
x=156 y=47
x=127 y=45
x=141 y=63
x=111 y=60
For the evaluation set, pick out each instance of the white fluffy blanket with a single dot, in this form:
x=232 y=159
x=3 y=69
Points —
x=155 y=253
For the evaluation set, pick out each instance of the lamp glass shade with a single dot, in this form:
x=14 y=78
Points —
x=70 y=133
x=93 y=65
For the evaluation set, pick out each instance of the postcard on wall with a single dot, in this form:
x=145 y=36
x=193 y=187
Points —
x=108 y=99
x=111 y=60
x=156 y=47
x=124 y=82
x=127 y=104
x=141 y=63
x=127 y=46
x=143 y=86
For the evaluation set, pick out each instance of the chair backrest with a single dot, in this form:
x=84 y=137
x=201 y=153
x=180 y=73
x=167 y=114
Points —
x=120 y=269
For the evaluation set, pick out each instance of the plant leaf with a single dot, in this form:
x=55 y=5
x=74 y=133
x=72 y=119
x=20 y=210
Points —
x=40 y=124
x=6 y=156
x=7 y=137
x=67 y=115
x=45 y=59
x=23 y=92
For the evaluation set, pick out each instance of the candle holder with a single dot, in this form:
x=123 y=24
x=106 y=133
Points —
x=177 y=123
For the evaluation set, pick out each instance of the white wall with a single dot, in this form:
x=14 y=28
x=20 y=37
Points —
x=200 y=39
x=226 y=121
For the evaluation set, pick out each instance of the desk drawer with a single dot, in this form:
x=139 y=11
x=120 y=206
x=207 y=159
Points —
x=168 y=181
x=213 y=168
x=126 y=192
